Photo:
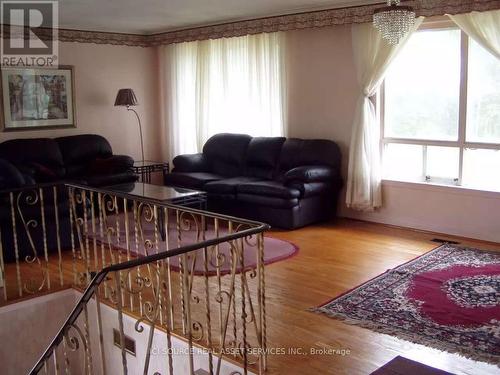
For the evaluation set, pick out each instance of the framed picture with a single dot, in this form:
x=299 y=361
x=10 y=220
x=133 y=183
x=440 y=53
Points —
x=38 y=98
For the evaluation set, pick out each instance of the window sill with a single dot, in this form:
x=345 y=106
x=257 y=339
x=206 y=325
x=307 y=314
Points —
x=449 y=189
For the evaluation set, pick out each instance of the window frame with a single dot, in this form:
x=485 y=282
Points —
x=461 y=143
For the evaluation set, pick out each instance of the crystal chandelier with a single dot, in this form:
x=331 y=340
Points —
x=394 y=21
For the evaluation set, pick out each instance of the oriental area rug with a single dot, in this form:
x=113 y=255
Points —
x=448 y=298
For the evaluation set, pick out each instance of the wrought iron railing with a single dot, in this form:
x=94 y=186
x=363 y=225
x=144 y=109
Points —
x=31 y=228
x=194 y=275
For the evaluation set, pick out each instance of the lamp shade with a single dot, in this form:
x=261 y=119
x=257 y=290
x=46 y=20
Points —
x=125 y=97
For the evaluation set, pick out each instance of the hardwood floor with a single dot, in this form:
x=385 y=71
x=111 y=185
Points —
x=334 y=258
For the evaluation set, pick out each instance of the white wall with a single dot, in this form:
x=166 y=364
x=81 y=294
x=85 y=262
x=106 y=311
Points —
x=100 y=70
x=323 y=92
x=158 y=359
x=28 y=327
x=462 y=212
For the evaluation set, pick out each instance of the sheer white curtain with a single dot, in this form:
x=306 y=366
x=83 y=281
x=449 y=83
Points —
x=483 y=27
x=372 y=56
x=224 y=85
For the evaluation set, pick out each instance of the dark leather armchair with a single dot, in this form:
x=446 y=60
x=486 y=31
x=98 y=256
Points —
x=288 y=183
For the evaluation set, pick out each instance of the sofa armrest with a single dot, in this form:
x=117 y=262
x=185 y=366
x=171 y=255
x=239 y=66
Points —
x=310 y=173
x=113 y=164
x=191 y=163
x=123 y=163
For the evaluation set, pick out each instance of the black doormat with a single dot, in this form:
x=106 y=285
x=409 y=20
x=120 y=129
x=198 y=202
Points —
x=405 y=366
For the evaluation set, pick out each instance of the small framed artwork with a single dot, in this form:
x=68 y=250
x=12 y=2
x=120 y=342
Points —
x=38 y=98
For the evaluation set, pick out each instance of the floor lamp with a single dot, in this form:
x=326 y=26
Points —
x=126 y=97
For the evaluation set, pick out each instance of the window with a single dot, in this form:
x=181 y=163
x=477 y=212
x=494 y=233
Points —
x=225 y=85
x=440 y=112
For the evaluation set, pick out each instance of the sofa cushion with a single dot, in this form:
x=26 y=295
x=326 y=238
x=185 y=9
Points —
x=227 y=186
x=107 y=179
x=76 y=170
x=80 y=149
x=261 y=200
x=29 y=180
x=43 y=173
x=43 y=151
x=226 y=153
x=269 y=188
x=113 y=164
x=262 y=156
x=191 y=180
x=10 y=176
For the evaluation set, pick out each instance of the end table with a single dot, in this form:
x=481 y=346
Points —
x=145 y=168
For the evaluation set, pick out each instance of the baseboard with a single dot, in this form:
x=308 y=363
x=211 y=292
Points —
x=437 y=232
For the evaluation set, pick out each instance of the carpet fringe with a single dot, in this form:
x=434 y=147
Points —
x=408 y=336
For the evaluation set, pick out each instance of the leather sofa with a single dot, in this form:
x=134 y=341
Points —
x=87 y=159
x=25 y=163
x=287 y=183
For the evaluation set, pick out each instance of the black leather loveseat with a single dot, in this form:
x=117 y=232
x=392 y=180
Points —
x=30 y=163
x=287 y=183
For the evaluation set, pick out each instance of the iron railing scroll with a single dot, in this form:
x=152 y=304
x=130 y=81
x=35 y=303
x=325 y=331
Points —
x=193 y=275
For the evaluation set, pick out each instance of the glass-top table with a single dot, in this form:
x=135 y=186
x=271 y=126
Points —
x=163 y=194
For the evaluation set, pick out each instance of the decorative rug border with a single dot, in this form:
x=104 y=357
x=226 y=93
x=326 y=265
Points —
x=415 y=339
x=398 y=332
x=287 y=22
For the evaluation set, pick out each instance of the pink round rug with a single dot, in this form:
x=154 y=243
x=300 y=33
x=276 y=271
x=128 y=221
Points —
x=219 y=259
x=275 y=250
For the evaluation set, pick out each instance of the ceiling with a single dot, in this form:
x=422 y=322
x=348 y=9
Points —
x=154 y=16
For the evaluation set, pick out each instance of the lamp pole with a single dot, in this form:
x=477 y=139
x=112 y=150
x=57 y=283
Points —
x=140 y=129
x=127 y=98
